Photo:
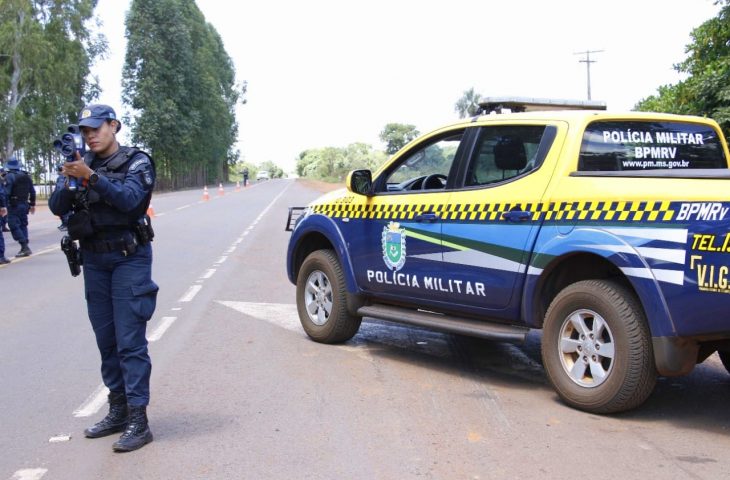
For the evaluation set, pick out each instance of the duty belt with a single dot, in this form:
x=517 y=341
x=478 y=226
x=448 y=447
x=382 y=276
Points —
x=126 y=245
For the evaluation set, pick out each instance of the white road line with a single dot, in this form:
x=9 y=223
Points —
x=92 y=404
x=35 y=254
x=182 y=208
x=273 y=202
x=190 y=294
x=176 y=309
x=165 y=323
x=208 y=273
x=29 y=474
x=221 y=260
x=230 y=250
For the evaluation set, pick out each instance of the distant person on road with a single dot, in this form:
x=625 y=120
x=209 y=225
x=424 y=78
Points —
x=245 y=176
x=21 y=201
x=3 y=214
x=109 y=220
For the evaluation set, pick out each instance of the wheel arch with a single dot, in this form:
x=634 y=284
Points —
x=315 y=233
x=582 y=255
x=560 y=273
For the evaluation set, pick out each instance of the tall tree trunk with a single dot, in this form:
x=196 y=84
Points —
x=15 y=95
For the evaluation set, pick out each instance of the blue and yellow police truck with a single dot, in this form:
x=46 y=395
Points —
x=610 y=232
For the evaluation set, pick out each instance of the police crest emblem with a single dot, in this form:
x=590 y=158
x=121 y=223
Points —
x=394 y=246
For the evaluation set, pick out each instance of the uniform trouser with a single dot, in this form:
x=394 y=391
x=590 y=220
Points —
x=121 y=298
x=2 y=241
x=18 y=222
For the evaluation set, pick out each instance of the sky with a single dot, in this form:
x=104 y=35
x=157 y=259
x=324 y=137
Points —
x=327 y=73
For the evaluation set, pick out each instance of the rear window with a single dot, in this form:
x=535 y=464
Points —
x=637 y=145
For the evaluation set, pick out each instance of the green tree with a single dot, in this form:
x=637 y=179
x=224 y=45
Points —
x=468 y=104
x=180 y=83
x=362 y=156
x=274 y=170
x=332 y=164
x=396 y=135
x=706 y=90
x=46 y=51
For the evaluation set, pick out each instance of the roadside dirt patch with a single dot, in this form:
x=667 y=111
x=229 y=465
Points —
x=319 y=185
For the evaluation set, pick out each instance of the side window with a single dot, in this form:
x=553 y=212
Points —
x=644 y=145
x=426 y=167
x=504 y=152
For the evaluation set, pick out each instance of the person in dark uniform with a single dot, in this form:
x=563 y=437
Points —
x=109 y=220
x=245 y=176
x=21 y=200
x=3 y=214
x=60 y=184
x=3 y=218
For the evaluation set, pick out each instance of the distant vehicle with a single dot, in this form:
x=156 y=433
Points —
x=263 y=175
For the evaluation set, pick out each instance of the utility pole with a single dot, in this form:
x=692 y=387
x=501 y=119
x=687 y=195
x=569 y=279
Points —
x=588 y=62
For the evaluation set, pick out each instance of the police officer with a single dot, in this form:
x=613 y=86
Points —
x=109 y=219
x=3 y=219
x=245 y=176
x=21 y=200
x=3 y=214
x=61 y=184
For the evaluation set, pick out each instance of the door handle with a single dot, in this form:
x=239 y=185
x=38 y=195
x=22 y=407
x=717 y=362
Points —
x=517 y=216
x=427 y=217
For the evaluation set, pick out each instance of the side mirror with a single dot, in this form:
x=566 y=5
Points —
x=360 y=182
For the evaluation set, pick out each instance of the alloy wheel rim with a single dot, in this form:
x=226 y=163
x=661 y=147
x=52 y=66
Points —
x=318 y=297
x=586 y=348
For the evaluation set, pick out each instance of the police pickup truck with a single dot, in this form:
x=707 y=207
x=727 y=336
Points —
x=608 y=231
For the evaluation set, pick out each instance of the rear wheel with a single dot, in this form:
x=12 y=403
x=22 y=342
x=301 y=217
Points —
x=596 y=347
x=322 y=299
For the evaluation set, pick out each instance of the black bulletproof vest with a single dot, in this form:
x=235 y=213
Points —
x=104 y=216
x=22 y=184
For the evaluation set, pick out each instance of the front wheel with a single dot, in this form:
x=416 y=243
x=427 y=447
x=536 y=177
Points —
x=596 y=347
x=322 y=299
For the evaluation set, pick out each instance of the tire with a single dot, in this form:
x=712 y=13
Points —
x=610 y=367
x=725 y=359
x=322 y=299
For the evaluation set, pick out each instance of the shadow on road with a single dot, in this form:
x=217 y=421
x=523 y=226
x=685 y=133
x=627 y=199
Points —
x=699 y=400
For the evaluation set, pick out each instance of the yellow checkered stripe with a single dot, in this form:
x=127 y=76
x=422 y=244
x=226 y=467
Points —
x=617 y=211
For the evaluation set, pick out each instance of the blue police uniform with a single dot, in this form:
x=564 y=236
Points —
x=60 y=185
x=21 y=197
x=108 y=217
x=3 y=220
x=3 y=204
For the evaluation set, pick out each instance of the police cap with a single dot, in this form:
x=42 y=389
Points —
x=12 y=164
x=94 y=115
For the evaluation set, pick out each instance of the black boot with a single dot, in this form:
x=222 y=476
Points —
x=24 y=251
x=116 y=419
x=137 y=434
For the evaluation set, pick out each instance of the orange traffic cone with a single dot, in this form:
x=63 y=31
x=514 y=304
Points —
x=151 y=211
x=238 y=186
x=206 y=197
x=220 y=189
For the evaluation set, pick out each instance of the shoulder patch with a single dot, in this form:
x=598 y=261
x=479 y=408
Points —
x=143 y=161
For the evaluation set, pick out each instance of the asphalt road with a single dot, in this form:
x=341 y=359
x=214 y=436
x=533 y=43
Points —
x=238 y=390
